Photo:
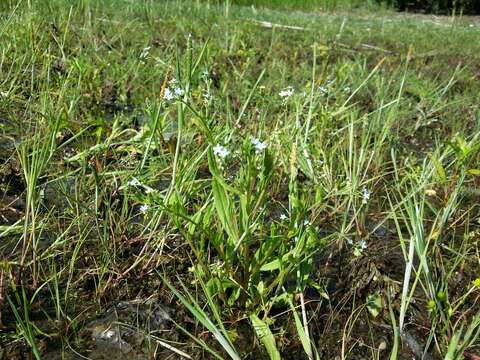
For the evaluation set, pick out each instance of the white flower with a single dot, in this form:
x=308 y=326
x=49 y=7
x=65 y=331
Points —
x=365 y=195
x=323 y=90
x=134 y=182
x=108 y=334
x=430 y=192
x=287 y=92
x=362 y=244
x=144 y=208
x=3 y=94
x=306 y=223
x=283 y=217
x=173 y=81
x=167 y=95
x=178 y=92
x=221 y=151
x=207 y=97
x=259 y=145
x=145 y=52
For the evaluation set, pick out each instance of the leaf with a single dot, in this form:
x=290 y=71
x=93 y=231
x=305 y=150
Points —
x=374 y=304
x=440 y=170
x=475 y=172
x=265 y=336
x=272 y=265
x=306 y=343
x=225 y=212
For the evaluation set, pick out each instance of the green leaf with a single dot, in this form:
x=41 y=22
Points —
x=440 y=170
x=475 y=172
x=306 y=343
x=271 y=266
x=374 y=304
x=225 y=212
x=265 y=336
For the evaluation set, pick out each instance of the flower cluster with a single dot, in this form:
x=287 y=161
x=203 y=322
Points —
x=287 y=92
x=221 y=151
x=173 y=91
x=145 y=53
x=365 y=195
x=259 y=145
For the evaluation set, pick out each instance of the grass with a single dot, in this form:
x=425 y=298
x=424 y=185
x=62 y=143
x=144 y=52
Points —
x=211 y=180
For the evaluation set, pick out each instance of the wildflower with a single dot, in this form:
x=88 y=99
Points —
x=362 y=244
x=259 y=145
x=283 y=217
x=145 y=52
x=221 y=151
x=167 y=95
x=178 y=92
x=365 y=195
x=108 y=334
x=3 y=94
x=207 y=97
x=430 y=192
x=287 y=92
x=306 y=222
x=144 y=208
x=323 y=90
x=134 y=182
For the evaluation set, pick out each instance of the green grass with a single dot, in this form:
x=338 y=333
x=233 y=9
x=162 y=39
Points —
x=290 y=183
x=306 y=5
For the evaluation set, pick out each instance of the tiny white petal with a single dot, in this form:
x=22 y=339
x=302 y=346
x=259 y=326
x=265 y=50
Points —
x=179 y=92
x=144 y=208
x=287 y=92
x=259 y=145
x=362 y=244
x=323 y=89
x=365 y=194
x=134 y=182
x=283 y=217
x=167 y=95
x=108 y=334
x=221 y=151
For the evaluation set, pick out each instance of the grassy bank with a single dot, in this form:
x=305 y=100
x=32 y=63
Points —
x=193 y=180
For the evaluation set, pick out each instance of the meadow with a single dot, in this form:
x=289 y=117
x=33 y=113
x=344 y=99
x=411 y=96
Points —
x=215 y=180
